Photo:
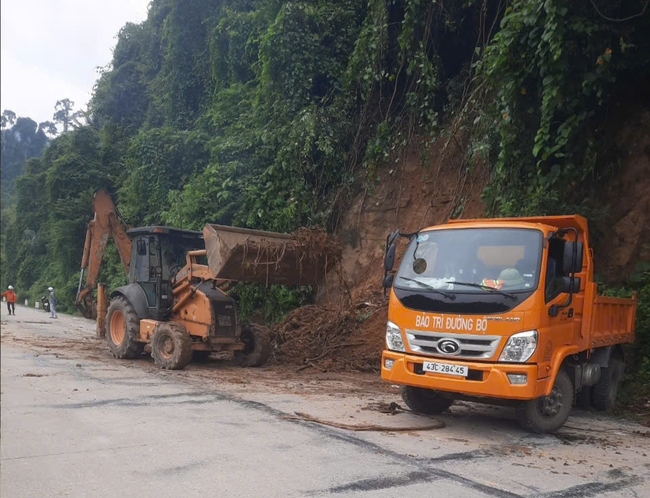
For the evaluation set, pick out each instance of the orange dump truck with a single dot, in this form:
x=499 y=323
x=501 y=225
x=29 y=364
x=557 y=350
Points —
x=503 y=311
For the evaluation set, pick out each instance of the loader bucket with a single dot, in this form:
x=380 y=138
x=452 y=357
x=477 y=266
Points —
x=244 y=255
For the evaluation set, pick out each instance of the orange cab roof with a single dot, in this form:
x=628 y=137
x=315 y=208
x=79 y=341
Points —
x=565 y=221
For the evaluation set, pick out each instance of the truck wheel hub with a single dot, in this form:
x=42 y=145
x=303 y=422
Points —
x=550 y=405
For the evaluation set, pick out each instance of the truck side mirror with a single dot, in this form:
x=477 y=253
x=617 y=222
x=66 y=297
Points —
x=573 y=257
x=389 y=259
x=391 y=248
x=571 y=285
x=387 y=282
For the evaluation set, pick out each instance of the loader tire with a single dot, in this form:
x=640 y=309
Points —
x=123 y=329
x=425 y=401
x=257 y=346
x=171 y=346
x=548 y=413
x=604 y=392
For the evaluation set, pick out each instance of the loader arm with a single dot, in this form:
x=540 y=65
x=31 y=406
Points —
x=104 y=224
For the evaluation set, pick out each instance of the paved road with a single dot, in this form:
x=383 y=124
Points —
x=77 y=423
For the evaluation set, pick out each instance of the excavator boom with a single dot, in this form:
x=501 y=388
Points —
x=104 y=224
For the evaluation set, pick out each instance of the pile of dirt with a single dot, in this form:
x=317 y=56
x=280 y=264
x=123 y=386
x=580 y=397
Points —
x=332 y=337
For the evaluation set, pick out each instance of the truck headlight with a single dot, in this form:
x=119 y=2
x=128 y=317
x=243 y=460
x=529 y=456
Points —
x=520 y=347
x=394 y=337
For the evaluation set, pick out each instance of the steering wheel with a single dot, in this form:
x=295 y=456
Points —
x=174 y=270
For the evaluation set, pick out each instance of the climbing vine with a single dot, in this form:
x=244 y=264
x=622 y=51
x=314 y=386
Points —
x=552 y=69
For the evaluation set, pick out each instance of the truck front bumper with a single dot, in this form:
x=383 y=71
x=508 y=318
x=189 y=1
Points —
x=484 y=379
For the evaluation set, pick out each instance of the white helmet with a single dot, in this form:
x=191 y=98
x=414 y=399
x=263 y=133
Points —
x=50 y=289
x=10 y=287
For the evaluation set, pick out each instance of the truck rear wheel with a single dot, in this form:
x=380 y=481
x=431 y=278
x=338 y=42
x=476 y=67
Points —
x=257 y=346
x=425 y=401
x=171 y=346
x=604 y=392
x=123 y=329
x=548 y=413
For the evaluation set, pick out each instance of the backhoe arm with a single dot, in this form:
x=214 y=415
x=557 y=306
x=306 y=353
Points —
x=104 y=224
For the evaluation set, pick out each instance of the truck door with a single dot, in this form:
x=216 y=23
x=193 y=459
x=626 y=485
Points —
x=564 y=326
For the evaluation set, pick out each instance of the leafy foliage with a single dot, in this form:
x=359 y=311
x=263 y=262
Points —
x=554 y=67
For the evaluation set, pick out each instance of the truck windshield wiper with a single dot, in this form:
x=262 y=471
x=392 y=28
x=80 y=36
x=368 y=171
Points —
x=430 y=287
x=484 y=287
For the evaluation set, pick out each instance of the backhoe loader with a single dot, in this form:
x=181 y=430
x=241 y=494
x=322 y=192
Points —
x=174 y=303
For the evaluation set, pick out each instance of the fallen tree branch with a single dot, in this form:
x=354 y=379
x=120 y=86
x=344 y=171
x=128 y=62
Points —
x=439 y=424
x=334 y=348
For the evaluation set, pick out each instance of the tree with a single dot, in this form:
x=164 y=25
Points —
x=65 y=115
x=8 y=118
x=48 y=128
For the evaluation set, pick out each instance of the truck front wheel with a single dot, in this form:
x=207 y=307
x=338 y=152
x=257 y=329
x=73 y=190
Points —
x=548 y=413
x=425 y=401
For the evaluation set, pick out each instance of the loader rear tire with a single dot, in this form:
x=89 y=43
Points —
x=548 y=413
x=604 y=392
x=257 y=342
x=425 y=401
x=171 y=346
x=123 y=329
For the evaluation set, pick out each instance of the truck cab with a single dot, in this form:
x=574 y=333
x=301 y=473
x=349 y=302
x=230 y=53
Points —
x=500 y=310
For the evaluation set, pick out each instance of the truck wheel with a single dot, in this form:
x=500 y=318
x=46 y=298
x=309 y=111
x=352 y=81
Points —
x=171 y=346
x=123 y=329
x=548 y=413
x=604 y=392
x=425 y=401
x=257 y=346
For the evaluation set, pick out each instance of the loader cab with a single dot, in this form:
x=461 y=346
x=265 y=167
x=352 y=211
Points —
x=157 y=254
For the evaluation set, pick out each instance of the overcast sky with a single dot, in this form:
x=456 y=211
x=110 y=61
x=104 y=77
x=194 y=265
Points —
x=51 y=49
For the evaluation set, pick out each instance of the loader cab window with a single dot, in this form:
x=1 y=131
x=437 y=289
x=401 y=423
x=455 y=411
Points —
x=140 y=270
x=144 y=270
x=173 y=259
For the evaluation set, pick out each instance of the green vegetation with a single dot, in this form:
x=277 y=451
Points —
x=272 y=114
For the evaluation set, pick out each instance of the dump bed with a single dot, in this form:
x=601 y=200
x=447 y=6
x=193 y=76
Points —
x=266 y=257
x=612 y=321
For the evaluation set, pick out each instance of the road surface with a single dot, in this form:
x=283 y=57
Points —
x=78 y=423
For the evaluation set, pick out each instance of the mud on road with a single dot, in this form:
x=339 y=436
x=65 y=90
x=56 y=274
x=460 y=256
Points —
x=593 y=455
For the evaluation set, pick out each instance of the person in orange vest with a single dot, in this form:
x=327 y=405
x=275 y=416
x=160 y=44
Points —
x=10 y=294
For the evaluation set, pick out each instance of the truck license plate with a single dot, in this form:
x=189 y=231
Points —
x=445 y=368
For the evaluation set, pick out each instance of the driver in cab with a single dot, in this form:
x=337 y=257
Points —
x=172 y=265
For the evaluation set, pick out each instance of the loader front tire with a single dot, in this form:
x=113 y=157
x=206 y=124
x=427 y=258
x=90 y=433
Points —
x=425 y=401
x=257 y=346
x=123 y=329
x=171 y=346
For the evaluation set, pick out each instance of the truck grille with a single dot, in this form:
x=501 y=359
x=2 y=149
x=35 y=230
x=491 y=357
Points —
x=473 y=347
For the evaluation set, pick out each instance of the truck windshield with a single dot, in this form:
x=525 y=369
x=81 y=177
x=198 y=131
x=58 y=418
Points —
x=472 y=260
